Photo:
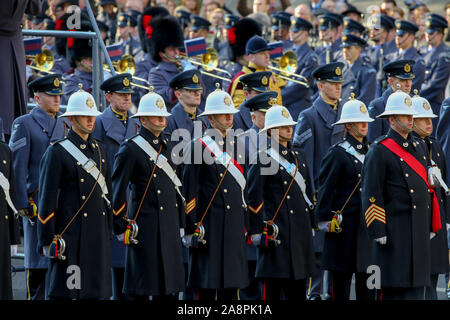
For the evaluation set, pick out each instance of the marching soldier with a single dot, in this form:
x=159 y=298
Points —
x=423 y=128
x=31 y=135
x=359 y=76
x=253 y=141
x=400 y=75
x=188 y=91
x=315 y=135
x=126 y=31
x=297 y=97
x=214 y=184
x=281 y=217
x=338 y=212
x=199 y=29
x=153 y=221
x=281 y=22
x=257 y=51
x=164 y=51
x=253 y=84
x=9 y=228
x=404 y=40
x=437 y=62
x=74 y=228
x=112 y=127
x=397 y=205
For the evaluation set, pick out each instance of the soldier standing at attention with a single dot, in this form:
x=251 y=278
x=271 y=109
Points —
x=281 y=206
x=74 y=228
x=112 y=127
x=214 y=184
x=153 y=221
x=397 y=202
x=338 y=211
x=31 y=135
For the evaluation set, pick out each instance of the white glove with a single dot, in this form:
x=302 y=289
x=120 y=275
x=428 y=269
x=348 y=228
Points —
x=256 y=238
x=448 y=226
x=381 y=240
x=187 y=240
x=46 y=250
x=14 y=248
x=181 y=232
x=121 y=236
x=324 y=226
x=313 y=232
x=432 y=235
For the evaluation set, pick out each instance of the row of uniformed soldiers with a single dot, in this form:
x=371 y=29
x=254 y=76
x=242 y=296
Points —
x=222 y=196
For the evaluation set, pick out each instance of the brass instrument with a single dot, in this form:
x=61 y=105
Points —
x=128 y=65
x=287 y=65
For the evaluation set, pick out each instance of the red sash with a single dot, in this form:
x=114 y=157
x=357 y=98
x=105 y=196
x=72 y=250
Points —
x=422 y=172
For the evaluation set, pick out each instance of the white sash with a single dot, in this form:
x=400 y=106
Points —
x=88 y=165
x=225 y=159
x=162 y=163
x=290 y=168
x=351 y=150
x=4 y=183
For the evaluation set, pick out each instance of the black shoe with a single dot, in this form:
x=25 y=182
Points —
x=315 y=298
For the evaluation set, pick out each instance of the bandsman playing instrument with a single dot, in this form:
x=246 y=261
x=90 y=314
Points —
x=153 y=221
x=329 y=25
x=281 y=212
x=74 y=228
x=338 y=212
x=398 y=205
x=257 y=51
x=112 y=127
x=438 y=176
x=214 y=184
x=31 y=135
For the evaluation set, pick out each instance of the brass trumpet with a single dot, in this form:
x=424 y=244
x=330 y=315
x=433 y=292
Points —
x=287 y=65
x=42 y=61
x=128 y=65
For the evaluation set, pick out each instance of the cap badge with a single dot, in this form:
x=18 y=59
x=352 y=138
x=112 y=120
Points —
x=322 y=21
x=264 y=81
x=126 y=82
x=428 y=23
x=338 y=71
x=426 y=105
x=227 y=101
x=285 y=113
x=160 y=103
x=90 y=102
x=399 y=25
x=372 y=199
x=363 y=109
x=408 y=101
x=56 y=82
x=227 y=20
x=407 y=68
x=274 y=20
x=346 y=23
x=272 y=101
x=294 y=22
x=344 y=39
x=195 y=78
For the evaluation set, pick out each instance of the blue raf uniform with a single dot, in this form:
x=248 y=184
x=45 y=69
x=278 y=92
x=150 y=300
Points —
x=258 y=82
x=111 y=129
x=437 y=65
x=443 y=132
x=131 y=45
x=280 y=22
x=402 y=69
x=353 y=27
x=330 y=52
x=297 y=97
x=406 y=27
x=180 y=118
x=31 y=135
x=360 y=76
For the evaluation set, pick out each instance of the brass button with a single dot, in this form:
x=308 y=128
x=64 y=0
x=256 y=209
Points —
x=154 y=175
x=406 y=175
x=6 y=217
x=161 y=208
x=81 y=180
x=4 y=161
x=291 y=211
x=83 y=197
x=85 y=214
x=228 y=207
x=288 y=197
x=225 y=190
x=158 y=191
x=285 y=182
x=412 y=190
x=306 y=209
x=414 y=207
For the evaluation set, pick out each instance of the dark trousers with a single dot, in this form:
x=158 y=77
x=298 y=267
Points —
x=389 y=293
x=342 y=281
x=431 y=291
x=36 y=284
x=252 y=292
x=316 y=282
x=276 y=289
x=189 y=293
x=117 y=284
x=229 y=294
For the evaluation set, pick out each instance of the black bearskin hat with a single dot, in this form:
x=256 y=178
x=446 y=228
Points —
x=240 y=33
x=143 y=27
x=165 y=32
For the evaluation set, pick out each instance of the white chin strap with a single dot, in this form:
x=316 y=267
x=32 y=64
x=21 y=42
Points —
x=402 y=125
x=356 y=131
